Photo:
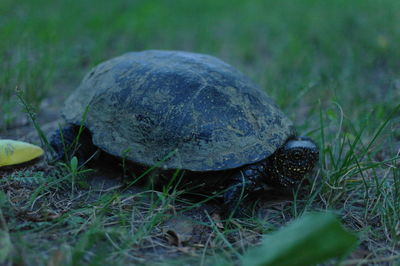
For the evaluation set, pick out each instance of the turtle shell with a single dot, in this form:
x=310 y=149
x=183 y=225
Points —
x=187 y=110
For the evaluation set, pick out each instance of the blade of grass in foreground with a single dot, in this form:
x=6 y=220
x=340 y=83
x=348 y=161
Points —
x=6 y=246
x=311 y=239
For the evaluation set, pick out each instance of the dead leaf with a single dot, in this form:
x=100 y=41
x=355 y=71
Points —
x=178 y=230
x=217 y=220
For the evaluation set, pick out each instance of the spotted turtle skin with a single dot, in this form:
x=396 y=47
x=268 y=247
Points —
x=188 y=111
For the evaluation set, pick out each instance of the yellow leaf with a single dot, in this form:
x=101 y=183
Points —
x=16 y=152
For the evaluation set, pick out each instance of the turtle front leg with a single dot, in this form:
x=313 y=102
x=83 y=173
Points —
x=244 y=182
x=69 y=142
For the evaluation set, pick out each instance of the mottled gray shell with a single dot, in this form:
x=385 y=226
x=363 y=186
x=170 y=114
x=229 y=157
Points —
x=201 y=112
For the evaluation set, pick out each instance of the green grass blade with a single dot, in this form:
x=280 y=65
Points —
x=32 y=116
x=312 y=239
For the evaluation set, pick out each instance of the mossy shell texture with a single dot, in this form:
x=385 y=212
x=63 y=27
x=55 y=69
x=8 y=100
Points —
x=186 y=110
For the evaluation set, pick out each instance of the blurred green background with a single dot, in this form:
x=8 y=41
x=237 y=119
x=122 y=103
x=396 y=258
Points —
x=302 y=52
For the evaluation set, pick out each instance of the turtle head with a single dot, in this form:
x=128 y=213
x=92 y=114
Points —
x=293 y=160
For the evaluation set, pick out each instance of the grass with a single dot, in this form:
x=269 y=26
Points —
x=332 y=66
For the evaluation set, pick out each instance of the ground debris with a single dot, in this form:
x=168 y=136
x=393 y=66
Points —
x=178 y=230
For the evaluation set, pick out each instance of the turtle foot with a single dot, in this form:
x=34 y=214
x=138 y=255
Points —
x=70 y=141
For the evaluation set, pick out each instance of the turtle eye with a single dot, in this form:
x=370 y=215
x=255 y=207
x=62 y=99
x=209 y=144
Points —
x=296 y=155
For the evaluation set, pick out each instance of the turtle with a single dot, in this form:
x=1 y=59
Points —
x=187 y=111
